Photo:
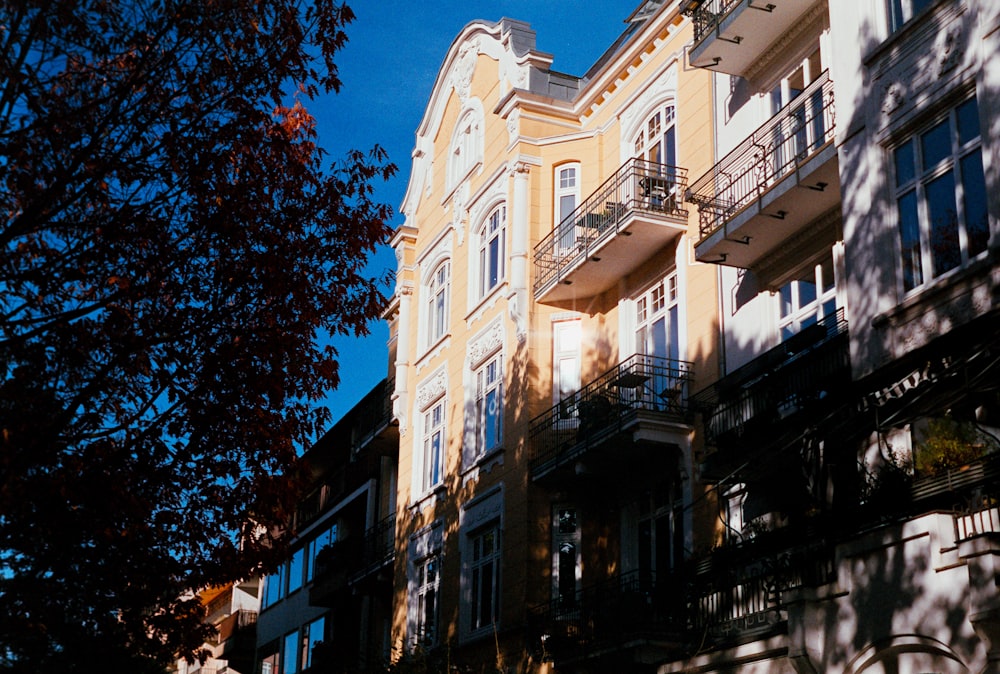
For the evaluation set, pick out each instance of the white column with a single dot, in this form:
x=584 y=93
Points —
x=399 y=396
x=518 y=301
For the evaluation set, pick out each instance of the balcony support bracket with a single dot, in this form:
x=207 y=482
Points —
x=735 y=40
x=745 y=240
x=766 y=8
x=780 y=215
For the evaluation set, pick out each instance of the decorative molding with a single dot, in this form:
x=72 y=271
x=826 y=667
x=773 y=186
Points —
x=662 y=87
x=513 y=124
x=893 y=98
x=486 y=343
x=517 y=315
x=483 y=509
x=949 y=48
x=465 y=67
x=460 y=211
x=432 y=388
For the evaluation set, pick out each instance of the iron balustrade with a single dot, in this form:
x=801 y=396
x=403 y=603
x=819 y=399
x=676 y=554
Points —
x=379 y=545
x=638 y=186
x=611 y=611
x=789 y=139
x=584 y=418
x=779 y=381
x=975 y=522
x=708 y=15
x=375 y=414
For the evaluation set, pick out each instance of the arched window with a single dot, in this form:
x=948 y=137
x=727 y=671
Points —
x=492 y=250
x=438 y=291
x=656 y=141
x=466 y=150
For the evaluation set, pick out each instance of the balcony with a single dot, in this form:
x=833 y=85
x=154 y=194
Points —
x=741 y=589
x=768 y=191
x=795 y=380
x=379 y=549
x=627 y=618
x=733 y=36
x=624 y=418
x=622 y=224
x=352 y=561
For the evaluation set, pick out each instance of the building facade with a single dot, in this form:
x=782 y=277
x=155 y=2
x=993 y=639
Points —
x=693 y=358
x=327 y=607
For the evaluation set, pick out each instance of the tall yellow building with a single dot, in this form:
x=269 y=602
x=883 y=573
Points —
x=550 y=323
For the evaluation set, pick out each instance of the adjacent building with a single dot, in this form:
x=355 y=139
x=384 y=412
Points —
x=694 y=359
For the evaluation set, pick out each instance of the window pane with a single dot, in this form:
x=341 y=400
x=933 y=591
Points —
x=977 y=226
x=290 y=659
x=295 y=570
x=935 y=145
x=904 y=163
x=909 y=234
x=494 y=263
x=315 y=636
x=807 y=292
x=786 y=300
x=968 y=121
x=944 y=223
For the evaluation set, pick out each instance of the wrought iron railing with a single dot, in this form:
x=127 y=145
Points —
x=779 y=381
x=612 y=611
x=583 y=419
x=379 y=546
x=707 y=15
x=734 y=590
x=638 y=186
x=743 y=586
x=790 y=138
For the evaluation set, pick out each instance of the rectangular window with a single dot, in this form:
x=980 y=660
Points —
x=312 y=636
x=807 y=299
x=295 y=570
x=940 y=194
x=492 y=250
x=428 y=579
x=566 y=199
x=485 y=578
x=433 y=446
x=326 y=537
x=565 y=362
x=566 y=561
x=489 y=405
x=274 y=588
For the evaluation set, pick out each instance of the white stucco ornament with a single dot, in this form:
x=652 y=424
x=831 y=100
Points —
x=893 y=99
x=465 y=67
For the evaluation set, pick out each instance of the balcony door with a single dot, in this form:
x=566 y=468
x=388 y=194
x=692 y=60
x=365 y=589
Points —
x=656 y=146
x=657 y=323
x=802 y=129
x=660 y=533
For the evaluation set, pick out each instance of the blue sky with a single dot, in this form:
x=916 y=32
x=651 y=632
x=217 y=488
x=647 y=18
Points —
x=388 y=69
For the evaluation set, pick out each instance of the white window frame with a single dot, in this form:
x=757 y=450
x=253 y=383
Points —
x=565 y=200
x=426 y=584
x=489 y=394
x=433 y=445
x=916 y=254
x=567 y=342
x=438 y=303
x=563 y=536
x=466 y=147
x=796 y=308
x=491 y=243
x=661 y=301
x=899 y=12
x=483 y=565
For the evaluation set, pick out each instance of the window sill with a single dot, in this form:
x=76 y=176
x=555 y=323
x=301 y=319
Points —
x=487 y=302
x=945 y=289
x=435 y=495
x=433 y=350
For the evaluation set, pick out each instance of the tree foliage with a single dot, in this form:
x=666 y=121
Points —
x=172 y=252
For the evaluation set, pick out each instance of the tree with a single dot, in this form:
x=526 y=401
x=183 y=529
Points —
x=174 y=250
